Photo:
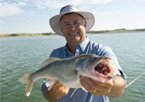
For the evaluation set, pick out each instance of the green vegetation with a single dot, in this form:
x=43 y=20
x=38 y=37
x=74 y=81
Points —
x=26 y=34
x=48 y=33
x=123 y=30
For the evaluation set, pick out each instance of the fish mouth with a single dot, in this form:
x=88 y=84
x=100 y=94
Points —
x=98 y=72
x=100 y=68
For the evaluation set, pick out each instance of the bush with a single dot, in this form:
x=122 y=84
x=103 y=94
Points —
x=13 y=34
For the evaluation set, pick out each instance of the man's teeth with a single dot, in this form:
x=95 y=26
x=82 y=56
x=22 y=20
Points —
x=73 y=33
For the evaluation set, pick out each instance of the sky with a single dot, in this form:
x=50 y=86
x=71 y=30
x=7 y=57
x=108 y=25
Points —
x=32 y=16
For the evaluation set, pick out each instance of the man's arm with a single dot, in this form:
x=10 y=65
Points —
x=58 y=90
x=118 y=87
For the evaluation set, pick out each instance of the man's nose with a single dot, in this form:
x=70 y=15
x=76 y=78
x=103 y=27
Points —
x=73 y=27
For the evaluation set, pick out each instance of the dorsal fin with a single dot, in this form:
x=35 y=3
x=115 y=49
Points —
x=84 y=55
x=48 y=61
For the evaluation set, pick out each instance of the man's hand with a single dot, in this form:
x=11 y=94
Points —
x=113 y=88
x=58 y=90
x=96 y=88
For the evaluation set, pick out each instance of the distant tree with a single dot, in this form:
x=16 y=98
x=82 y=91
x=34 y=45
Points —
x=119 y=29
x=123 y=29
x=140 y=30
x=45 y=33
x=13 y=34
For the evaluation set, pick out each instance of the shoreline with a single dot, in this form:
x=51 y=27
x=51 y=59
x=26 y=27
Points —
x=18 y=35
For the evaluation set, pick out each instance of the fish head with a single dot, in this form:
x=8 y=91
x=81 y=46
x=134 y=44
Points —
x=89 y=66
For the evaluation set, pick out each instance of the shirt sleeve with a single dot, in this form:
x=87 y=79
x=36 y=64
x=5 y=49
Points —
x=43 y=87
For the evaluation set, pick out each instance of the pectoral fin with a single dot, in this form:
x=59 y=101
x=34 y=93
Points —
x=50 y=83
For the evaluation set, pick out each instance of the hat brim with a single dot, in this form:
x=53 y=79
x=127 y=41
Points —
x=54 y=21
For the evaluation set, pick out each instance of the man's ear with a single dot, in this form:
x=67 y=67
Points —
x=85 y=24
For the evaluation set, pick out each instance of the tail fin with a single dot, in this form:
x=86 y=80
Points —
x=27 y=82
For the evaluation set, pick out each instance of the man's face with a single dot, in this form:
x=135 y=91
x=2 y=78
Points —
x=73 y=28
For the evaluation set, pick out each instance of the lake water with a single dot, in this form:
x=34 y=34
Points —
x=19 y=56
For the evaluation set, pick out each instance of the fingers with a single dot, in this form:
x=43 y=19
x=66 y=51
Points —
x=89 y=85
x=94 y=87
x=84 y=83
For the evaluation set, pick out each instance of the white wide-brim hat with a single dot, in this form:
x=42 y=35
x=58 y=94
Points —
x=55 y=21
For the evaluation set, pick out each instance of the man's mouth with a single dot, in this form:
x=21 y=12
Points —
x=73 y=34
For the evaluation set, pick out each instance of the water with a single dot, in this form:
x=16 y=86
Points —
x=22 y=55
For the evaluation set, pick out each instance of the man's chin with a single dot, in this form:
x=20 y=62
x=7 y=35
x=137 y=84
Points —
x=75 y=40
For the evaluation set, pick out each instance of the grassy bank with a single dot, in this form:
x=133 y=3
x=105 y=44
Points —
x=116 y=31
x=25 y=34
x=89 y=32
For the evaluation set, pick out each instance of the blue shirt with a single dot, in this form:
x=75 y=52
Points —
x=86 y=47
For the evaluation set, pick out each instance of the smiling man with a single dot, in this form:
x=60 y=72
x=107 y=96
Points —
x=73 y=30
x=72 y=23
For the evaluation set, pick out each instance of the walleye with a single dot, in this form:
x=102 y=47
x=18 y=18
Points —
x=67 y=71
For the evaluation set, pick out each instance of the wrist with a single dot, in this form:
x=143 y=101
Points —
x=48 y=96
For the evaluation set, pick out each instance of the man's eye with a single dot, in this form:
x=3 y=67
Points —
x=67 y=25
x=77 y=23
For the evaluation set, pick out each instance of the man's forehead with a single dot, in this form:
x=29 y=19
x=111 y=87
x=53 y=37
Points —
x=70 y=14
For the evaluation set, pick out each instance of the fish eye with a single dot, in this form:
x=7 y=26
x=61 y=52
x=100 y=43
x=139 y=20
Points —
x=94 y=59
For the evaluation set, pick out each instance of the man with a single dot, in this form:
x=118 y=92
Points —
x=72 y=23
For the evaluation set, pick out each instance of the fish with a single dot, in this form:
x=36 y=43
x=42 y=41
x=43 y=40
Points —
x=68 y=71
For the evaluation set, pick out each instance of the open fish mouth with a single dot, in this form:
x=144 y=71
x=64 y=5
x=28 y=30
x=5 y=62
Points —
x=101 y=68
x=100 y=71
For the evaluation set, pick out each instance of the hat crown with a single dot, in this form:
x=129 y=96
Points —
x=69 y=8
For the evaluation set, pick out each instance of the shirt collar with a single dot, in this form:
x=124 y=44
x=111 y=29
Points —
x=82 y=45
